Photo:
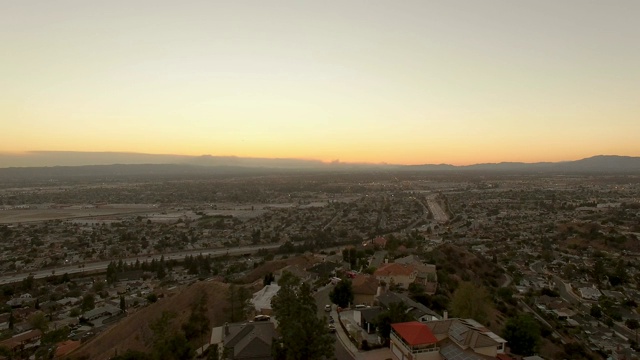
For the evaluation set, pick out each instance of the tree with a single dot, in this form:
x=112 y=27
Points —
x=304 y=335
x=238 y=298
x=39 y=321
x=161 y=273
x=342 y=294
x=506 y=294
x=88 y=303
x=212 y=352
x=396 y=313
x=595 y=311
x=177 y=347
x=268 y=279
x=633 y=324
x=168 y=345
x=471 y=301
x=27 y=283
x=198 y=323
x=523 y=334
x=160 y=327
x=112 y=272
x=123 y=304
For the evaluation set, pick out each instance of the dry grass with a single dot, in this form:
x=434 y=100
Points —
x=258 y=273
x=133 y=331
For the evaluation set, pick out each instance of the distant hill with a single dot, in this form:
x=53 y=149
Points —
x=598 y=164
x=129 y=165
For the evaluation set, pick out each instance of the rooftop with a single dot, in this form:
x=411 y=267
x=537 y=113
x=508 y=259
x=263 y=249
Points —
x=414 y=333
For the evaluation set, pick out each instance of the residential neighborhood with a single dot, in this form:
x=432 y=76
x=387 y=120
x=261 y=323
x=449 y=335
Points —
x=402 y=267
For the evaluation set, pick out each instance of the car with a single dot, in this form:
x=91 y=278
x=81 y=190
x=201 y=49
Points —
x=332 y=328
x=262 y=318
x=331 y=321
x=327 y=308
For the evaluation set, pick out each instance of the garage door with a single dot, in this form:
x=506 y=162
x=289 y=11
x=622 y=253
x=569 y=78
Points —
x=396 y=351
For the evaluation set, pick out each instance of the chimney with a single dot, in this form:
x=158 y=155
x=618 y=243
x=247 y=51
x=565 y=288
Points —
x=226 y=328
x=445 y=315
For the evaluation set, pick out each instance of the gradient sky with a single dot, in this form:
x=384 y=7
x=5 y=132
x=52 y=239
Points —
x=408 y=82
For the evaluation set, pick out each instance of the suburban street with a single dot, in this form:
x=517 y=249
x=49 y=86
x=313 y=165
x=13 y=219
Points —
x=565 y=291
x=322 y=299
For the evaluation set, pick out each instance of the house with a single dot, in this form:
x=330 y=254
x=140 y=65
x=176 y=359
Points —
x=365 y=289
x=413 y=340
x=297 y=271
x=21 y=341
x=466 y=337
x=22 y=300
x=365 y=318
x=378 y=258
x=261 y=299
x=324 y=269
x=106 y=310
x=589 y=293
x=244 y=340
x=379 y=242
x=427 y=274
x=396 y=274
x=416 y=310
x=621 y=353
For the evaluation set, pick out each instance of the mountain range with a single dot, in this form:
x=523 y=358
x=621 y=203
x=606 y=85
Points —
x=54 y=164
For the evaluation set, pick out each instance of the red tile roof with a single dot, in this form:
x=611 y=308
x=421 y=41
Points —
x=414 y=333
x=364 y=285
x=394 y=269
x=380 y=241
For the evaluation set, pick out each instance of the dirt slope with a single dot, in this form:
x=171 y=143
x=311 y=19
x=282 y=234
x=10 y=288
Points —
x=133 y=331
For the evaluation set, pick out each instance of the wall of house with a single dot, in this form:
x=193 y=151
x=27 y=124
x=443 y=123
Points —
x=357 y=316
x=363 y=299
x=432 y=355
x=401 y=352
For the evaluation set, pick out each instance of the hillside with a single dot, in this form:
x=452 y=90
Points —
x=258 y=273
x=460 y=264
x=133 y=331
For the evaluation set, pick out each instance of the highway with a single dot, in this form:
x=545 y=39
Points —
x=438 y=214
x=102 y=265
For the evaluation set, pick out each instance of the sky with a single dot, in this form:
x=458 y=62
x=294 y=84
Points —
x=402 y=82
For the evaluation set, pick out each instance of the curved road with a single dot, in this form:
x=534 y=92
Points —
x=102 y=265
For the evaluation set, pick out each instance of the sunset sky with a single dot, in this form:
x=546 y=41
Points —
x=403 y=82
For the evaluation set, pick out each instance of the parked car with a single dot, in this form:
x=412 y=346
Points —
x=262 y=318
x=327 y=308
x=332 y=328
